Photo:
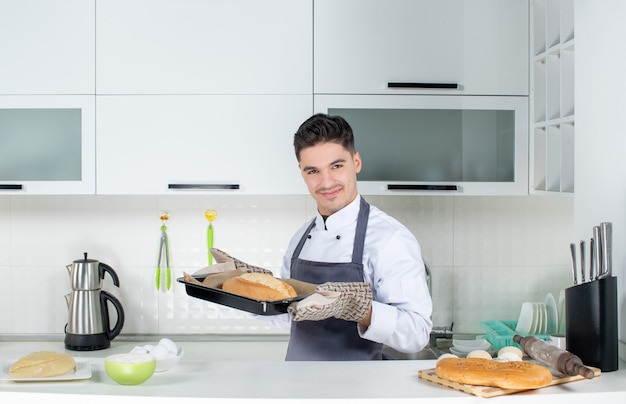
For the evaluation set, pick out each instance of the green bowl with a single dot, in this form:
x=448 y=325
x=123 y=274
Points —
x=130 y=369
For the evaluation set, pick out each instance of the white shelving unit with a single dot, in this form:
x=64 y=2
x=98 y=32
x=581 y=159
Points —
x=552 y=97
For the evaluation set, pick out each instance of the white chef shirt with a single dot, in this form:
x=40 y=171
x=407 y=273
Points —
x=392 y=265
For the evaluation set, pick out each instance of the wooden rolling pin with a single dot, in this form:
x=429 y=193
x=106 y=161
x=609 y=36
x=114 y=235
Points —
x=550 y=355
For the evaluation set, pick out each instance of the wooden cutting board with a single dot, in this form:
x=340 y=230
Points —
x=486 y=391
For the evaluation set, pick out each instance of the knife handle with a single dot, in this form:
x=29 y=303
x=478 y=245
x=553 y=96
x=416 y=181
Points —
x=606 y=230
x=597 y=250
x=582 y=261
x=592 y=257
x=572 y=249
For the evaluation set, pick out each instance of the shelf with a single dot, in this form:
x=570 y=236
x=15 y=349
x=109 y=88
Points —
x=552 y=96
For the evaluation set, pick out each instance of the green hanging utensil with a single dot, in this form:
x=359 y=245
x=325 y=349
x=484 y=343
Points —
x=164 y=216
x=210 y=215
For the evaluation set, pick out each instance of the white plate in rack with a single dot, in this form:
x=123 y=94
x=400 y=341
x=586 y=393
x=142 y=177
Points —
x=561 y=310
x=552 y=312
x=83 y=371
x=525 y=321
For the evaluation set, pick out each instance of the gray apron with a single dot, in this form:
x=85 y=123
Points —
x=331 y=339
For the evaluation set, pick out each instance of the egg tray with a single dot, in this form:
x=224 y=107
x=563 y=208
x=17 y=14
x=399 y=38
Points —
x=501 y=333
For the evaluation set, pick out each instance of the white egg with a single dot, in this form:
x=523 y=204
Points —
x=160 y=352
x=446 y=355
x=139 y=349
x=511 y=349
x=169 y=345
x=479 y=353
x=508 y=357
x=148 y=347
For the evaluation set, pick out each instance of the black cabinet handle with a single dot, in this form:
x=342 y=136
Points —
x=420 y=187
x=423 y=85
x=203 y=186
x=11 y=187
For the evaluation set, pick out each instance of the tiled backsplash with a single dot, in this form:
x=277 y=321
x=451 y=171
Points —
x=487 y=254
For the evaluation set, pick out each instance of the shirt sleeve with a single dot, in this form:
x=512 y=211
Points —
x=402 y=306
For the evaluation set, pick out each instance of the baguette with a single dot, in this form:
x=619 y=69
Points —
x=486 y=372
x=42 y=364
x=259 y=286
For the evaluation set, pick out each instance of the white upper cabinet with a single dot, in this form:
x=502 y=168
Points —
x=361 y=46
x=47 y=46
x=427 y=145
x=47 y=144
x=204 y=47
x=182 y=144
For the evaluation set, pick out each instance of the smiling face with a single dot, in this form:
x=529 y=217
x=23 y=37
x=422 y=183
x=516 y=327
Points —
x=330 y=173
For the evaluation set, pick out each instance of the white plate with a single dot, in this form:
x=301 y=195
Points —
x=543 y=315
x=561 y=326
x=469 y=345
x=536 y=320
x=525 y=321
x=553 y=314
x=463 y=354
x=83 y=371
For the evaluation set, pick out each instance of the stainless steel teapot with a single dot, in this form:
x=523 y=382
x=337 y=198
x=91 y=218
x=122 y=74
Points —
x=88 y=274
x=88 y=327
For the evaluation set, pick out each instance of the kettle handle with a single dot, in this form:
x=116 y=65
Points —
x=111 y=333
x=103 y=269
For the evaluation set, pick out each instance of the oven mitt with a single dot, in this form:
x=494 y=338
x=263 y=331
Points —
x=221 y=257
x=349 y=301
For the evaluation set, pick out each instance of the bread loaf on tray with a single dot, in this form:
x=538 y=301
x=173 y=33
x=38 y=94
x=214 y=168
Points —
x=259 y=286
x=487 y=372
x=42 y=364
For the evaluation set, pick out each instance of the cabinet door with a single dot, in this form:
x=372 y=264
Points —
x=221 y=144
x=361 y=46
x=47 y=47
x=204 y=47
x=47 y=144
x=426 y=145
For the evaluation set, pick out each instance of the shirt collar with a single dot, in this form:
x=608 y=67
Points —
x=340 y=218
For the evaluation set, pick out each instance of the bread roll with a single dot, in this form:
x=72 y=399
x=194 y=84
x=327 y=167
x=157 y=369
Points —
x=486 y=372
x=259 y=286
x=42 y=364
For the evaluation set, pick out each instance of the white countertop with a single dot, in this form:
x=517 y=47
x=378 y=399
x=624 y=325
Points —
x=218 y=370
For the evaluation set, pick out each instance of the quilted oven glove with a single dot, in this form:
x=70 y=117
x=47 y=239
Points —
x=222 y=257
x=349 y=301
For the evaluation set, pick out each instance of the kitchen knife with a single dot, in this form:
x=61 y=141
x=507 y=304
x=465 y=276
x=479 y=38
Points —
x=572 y=248
x=606 y=232
x=597 y=251
x=582 y=261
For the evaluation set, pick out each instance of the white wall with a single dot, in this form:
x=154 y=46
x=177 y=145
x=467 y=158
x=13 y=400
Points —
x=601 y=129
x=488 y=254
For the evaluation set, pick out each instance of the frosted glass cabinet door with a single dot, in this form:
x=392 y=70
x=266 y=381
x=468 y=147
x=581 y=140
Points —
x=204 y=47
x=362 y=45
x=47 y=145
x=422 y=144
x=225 y=144
x=47 y=46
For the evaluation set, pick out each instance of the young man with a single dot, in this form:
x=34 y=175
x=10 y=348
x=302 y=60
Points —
x=369 y=267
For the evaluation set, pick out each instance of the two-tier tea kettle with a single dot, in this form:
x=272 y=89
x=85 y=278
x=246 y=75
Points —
x=88 y=327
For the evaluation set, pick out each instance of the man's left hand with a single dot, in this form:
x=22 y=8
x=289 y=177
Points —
x=351 y=301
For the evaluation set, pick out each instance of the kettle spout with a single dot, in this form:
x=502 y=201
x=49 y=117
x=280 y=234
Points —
x=69 y=268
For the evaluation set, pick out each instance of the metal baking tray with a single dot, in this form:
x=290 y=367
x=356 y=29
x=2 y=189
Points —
x=264 y=308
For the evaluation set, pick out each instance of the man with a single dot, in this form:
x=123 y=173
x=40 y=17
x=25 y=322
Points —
x=369 y=267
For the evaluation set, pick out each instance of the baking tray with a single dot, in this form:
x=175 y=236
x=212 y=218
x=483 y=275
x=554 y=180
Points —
x=214 y=295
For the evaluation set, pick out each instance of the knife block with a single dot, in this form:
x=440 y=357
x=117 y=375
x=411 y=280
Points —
x=591 y=323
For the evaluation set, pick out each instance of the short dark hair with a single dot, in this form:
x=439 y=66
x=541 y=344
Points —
x=323 y=128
